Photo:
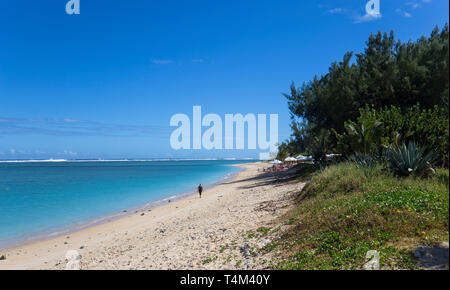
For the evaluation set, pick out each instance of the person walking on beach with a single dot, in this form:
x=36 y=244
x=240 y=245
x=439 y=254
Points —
x=200 y=190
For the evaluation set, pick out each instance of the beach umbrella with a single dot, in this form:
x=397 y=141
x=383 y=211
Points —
x=304 y=158
x=276 y=161
x=290 y=159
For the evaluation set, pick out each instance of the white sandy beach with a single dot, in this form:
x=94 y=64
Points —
x=189 y=233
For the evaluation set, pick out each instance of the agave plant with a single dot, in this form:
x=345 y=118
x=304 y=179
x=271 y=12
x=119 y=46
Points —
x=406 y=160
x=363 y=160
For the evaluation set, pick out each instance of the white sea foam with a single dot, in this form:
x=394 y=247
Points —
x=122 y=160
x=26 y=161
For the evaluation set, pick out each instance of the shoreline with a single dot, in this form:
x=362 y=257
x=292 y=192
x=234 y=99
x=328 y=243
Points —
x=189 y=233
x=82 y=225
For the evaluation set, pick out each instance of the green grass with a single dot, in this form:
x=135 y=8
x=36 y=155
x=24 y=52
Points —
x=344 y=211
x=209 y=260
x=263 y=231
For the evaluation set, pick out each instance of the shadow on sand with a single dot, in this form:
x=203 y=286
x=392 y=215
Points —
x=277 y=178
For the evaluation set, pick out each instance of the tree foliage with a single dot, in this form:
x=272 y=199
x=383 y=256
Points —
x=375 y=130
x=391 y=77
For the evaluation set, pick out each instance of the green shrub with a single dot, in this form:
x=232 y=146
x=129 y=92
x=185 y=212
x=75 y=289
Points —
x=363 y=160
x=374 y=130
x=429 y=128
x=366 y=162
x=365 y=135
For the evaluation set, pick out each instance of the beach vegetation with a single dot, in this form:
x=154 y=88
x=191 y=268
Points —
x=263 y=230
x=342 y=213
x=209 y=260
x=389 y=128
x=391 y=93
x=363 y=160
x=385 y=113
x=411 y=159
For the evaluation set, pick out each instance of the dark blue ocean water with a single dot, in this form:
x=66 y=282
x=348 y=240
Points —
x=41 y=198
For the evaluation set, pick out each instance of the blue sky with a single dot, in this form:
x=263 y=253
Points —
x=105 y=83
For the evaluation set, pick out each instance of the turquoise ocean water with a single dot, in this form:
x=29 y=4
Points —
x=45 y=198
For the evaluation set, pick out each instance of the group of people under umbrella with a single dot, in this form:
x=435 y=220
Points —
x=292 y=159
x=288 y=162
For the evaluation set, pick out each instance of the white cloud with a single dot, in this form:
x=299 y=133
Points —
x=67 y=152
x=162 y=61
x=413 y=5
x=367 y=17
x=335 y=10
x=416 y=3
x=68 y=120
x=353 y=14
x=403 y=13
